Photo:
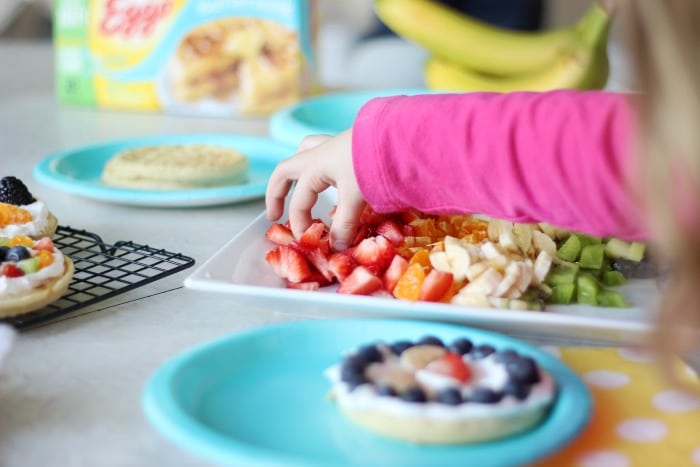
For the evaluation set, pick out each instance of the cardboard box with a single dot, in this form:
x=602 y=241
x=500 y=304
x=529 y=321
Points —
x=196 y=57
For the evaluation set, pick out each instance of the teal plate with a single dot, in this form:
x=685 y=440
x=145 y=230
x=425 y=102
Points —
x=77 y=171
x=326 y=114
x=259 y=398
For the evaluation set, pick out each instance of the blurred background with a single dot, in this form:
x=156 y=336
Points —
x=353 y=45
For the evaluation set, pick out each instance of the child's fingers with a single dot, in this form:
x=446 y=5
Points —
x=303 y=199
x=346 y=219
x=279 y=184
x=275 y=194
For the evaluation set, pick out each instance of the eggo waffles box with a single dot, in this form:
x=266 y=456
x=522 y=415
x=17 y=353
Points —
x=201 y=57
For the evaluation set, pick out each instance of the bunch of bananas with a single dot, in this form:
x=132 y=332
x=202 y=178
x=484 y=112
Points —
x=471 y=55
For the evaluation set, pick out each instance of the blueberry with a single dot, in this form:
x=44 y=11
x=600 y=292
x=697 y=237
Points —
x=431 y=340
x=414 y=394
x=486 y=396
x=516 y=389
x=3 y=253
x=461 y=346
x=386 y=390
x=482 y=351
x=17 y=253
x=523 y=370
x=352 y=370
x=506 y=355
x=449 y=396
x=399 y=346
x=370 y=353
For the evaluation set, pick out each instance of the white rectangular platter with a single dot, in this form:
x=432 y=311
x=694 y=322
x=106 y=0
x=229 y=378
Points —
x=239 y=269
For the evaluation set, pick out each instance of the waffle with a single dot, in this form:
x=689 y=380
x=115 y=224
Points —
x=171 y=167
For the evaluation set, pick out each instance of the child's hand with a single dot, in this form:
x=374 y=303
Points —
x=321 y=161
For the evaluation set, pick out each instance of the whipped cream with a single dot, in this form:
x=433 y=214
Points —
x=486 y=372
x=17 y=285
x=33 y=228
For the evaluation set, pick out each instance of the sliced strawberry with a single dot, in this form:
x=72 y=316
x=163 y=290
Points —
x=375 y=251
x=45 y=243
x=341 y=265
x=279 y=234
x=391 y=231
x=409 y=216
x=313 y=285
x=316 y=257
x=435 y=285
x=452 y=365
x=316 y=235
x=318 y=277
x=364 y=231
x=396 y=268
x=288 y=263
x=360 y=282
x=370 y=217
x=319 y=259
x=10 y=270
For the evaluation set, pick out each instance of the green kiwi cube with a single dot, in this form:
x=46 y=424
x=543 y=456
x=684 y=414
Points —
x=562 y=273
x=588 y=239
x=592 y=256
x=29 y=265
x=613 y=278
x=562 y=294
x=587 y=289
x=570 y=249
x=612 y=298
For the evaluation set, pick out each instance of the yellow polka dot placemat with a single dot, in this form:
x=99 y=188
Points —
x=639 y=418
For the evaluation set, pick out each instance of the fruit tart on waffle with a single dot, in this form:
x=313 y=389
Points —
x=33 y=273
x=430 y=392
x=21 y=213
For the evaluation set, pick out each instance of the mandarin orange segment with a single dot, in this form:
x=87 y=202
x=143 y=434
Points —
x=410 y=282
x=45 y=258
x=11 y=214
x=421 y=257
x=425 y=228
x=21 y=240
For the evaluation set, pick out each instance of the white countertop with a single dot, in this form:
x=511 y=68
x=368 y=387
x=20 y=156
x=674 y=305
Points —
x=70 y=391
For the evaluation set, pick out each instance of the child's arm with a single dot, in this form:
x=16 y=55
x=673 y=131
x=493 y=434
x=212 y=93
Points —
x=559 y=157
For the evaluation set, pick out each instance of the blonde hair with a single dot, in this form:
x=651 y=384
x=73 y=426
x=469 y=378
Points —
x=664 y=39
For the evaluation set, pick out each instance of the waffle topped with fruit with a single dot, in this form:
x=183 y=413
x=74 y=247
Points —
x=21 y=213
x=432 y=393
x=33 y=273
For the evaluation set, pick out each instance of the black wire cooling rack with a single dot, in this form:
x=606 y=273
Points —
x=102 y=271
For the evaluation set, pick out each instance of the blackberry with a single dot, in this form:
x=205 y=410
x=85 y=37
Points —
x=14 y=191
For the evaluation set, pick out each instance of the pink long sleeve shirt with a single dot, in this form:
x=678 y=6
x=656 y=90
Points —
x=560 y=157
